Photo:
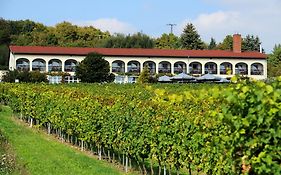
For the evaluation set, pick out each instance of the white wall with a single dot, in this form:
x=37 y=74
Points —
x=156 y=60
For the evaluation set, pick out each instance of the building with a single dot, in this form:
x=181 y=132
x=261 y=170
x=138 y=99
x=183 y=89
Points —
x=195 y=62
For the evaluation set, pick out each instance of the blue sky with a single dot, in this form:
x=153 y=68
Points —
x=212 y=18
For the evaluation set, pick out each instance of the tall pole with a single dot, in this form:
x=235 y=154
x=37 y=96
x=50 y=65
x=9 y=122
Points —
x=171 y=25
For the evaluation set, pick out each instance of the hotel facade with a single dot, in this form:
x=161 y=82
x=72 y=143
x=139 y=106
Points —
x=131 y=61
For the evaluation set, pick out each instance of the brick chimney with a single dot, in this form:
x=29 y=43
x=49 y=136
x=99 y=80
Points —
x=237 y=42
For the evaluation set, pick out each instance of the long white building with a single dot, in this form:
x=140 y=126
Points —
x=195 y=62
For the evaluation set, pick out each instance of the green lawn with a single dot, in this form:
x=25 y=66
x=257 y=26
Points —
x=41 y=154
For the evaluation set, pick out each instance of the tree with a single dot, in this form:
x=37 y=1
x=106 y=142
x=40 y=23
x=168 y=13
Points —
x=94 y=69
x=138 y=40
x=212 y=44
x=275 y=57
x=190 y=39
x=227 y=43
x=167 y=41
x=144 y=76
x=274 y=62
x=251 y=43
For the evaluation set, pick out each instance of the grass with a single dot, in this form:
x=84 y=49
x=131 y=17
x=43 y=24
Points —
x=40 y=154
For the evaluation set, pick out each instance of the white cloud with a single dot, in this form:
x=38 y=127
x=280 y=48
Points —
x=255 y=17
x=109 y=24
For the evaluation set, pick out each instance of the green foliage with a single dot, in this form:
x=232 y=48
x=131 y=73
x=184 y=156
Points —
x=144 y=76
x=190 y=39
x=203 y=128
x=227 y=43
x=167 y=41
x=251 y=43
x=38 y=153
x=94 y=69
x=138 y=40
x=25 y=76
x=4 y=57
x=275 y=57
x=212 y=44
x=274 y=62
x=252 y=119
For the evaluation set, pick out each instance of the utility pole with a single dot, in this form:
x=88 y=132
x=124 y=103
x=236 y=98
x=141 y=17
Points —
x=172 y=25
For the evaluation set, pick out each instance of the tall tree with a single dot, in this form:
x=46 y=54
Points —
x=227 y=43
x=274 y=62
x=212 y=44
x=94 y=69
x=138 y=40
x=275 y=57
x=251 y=43
x=167 y=41
x=190 y=39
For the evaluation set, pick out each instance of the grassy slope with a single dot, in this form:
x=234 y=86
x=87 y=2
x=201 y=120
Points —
x=40 y=154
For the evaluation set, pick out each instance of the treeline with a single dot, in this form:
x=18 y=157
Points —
x=30 y=33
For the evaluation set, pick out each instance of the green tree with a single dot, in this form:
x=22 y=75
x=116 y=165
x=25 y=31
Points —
x=94 y=69
x=251 y=43
x=274 y=62
x=5 y=32
x=227 y=43
x=190 y=39
x=167 y=41
x=144 y=76
x=138 y=40
x=212 y=44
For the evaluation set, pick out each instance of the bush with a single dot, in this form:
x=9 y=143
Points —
x=25 y=76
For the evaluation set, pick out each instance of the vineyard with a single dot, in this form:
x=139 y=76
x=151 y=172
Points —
x=162 y=129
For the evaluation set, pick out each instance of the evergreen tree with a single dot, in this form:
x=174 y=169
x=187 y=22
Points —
x=94 y=69
x=251 y=43
x=227 y=43
x=212 y=44
x=144 y=76
x=190 y=39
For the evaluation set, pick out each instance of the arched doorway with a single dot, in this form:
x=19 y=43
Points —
x=23 y=64
x=70 y=65
x=195 y=68
x=211 y=68
x=151 y=66
x=118 y=66
x=179 y=67
x=257 y=69
x=226 y=68
x=164 y=67
x=55 y=65
x=241 y=69
x=39 y=65
x=133 y=66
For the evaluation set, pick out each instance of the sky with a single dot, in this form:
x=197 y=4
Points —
x=212 y=18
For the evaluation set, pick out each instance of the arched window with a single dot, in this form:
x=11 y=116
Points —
x=179 y=67
x=257 y=69
x=195 y=68
x=23 y=64
x=70 y=65
x=151 y=66
x=164 y=67
x=226 y=68
x=39 y=64
x=211 y=68
x=134 y=66
x=55 y=65
x=118 y=66
x=241 y=69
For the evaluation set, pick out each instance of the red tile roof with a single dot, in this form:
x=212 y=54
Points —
x=133 y=52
